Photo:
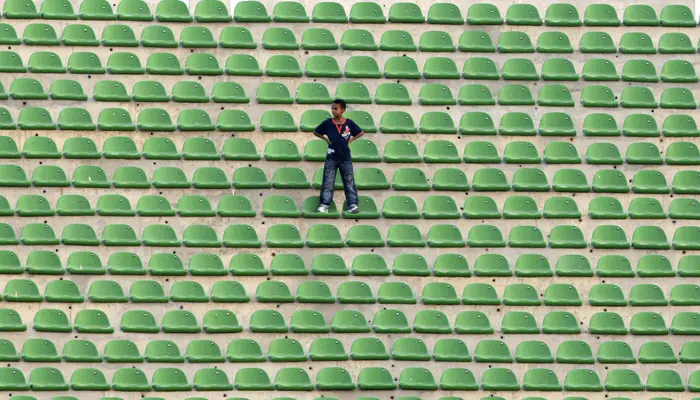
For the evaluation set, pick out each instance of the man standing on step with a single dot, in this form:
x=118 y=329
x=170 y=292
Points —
x=338 y=132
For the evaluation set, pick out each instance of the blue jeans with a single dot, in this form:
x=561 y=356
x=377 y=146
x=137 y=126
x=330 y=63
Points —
x=328 y=185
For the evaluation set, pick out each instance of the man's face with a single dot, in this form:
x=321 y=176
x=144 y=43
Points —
x=336 y=110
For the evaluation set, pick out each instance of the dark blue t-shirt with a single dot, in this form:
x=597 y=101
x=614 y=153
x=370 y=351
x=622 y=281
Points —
x=339 y=135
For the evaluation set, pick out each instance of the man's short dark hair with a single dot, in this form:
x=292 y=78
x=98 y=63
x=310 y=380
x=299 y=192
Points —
x=341 y=103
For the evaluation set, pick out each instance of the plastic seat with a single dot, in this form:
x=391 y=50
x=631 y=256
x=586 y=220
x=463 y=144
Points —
x=400 y=67
x=397 y=40
x=639 y=71
x=119 y=36
x=515 y=42
x=35 y=118
x=37 y=34
x=393 y=94
x=515 y=95
x=636 y=43
x=519 y=69
x=523 y=14
x=51 y=320
x=640 y=15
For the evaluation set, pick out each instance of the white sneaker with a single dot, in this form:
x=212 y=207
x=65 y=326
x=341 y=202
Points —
x=322 y=209
x=353 y=209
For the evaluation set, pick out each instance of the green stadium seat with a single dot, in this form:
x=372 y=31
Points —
x=436 y=94
x=554 y=42
x=603 y=153
x=675 y=43
x=318 y=39
x=119 y=36
x=526 y=236
x=73 y=205
x=476 y=41
x=401 y=67
x=640 y=15
x=648 y=323
x=541 y=379
x=149 y=91
x=35 y=118
x=397 y=40
x=601 y=15
x=250 y=11
x=158 y=36
x=640 y=125
x=111 y=91
x=20 y=10
x=636 y=43
x=523 y=14
x=196 y=37
x=367 y=13
x=515 y=42
x=649 y=237
x=677 y=16
x=164 y=64
x=247 y=265
x=516 y=124
x=170 y=379
x=393 y=94
x=362 y=67
x=51 y=320
x=368 y=349
x=410 y=349
x=27 y=89
x=582 y=380
x=322 y=66
x=212 y=11
x=499 y=379
x=273 y=93
x=513 y=94
x=484 y=14
x=130 y=379
x=575 y=352
x=124 y=63
x=519 y=69
x=202 y=64
x=678 y=71
x=172 y=11
x=561 y=153
x=599 y=69
x=677 y=98
x=8 y=35
x=639 y=71
x=289 y=11
x=282 y=65
x=476 y=95
x=203 y=351
x=279 y=39
x=440 y=68
x=562 y=15
x=615 y=352
x=406 y=13
x=139 y=321
x=436 y=41
x=559 y=69
x=598 y=42
x=358 y=39
x=86 y=63
x=64 y=89
x=533 y=351
x=477 y=123
x=38 y=34
x=555 y=95
x=598 y=96
x=134 y=10
x=11 y=62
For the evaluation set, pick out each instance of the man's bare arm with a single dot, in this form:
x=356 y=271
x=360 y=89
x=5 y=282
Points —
x=359 y=135
x=324 y=137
